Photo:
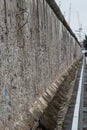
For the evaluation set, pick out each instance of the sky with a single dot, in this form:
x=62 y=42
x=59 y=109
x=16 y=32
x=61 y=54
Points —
x=77 y=15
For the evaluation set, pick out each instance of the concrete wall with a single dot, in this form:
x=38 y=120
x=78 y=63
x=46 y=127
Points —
x=35 y=49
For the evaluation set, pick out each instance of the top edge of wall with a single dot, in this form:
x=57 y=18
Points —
x=60 y=16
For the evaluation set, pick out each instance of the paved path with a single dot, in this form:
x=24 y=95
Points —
x=84 y=108
x=76 y=117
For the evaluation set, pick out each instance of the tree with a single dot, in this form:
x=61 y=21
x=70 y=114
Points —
x=85 y=42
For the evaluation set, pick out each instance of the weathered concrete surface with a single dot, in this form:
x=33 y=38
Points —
x=35 y=50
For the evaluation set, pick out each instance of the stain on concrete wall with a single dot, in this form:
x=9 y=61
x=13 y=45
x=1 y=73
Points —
x=35 y=48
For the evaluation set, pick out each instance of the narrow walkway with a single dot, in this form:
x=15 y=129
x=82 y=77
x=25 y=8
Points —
x=67 y=125
x=84 y=109
x=76 y=117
